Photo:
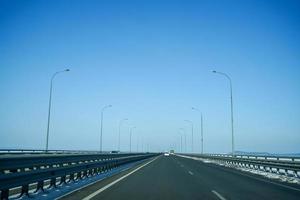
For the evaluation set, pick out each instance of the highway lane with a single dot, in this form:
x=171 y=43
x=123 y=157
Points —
x=175 y=177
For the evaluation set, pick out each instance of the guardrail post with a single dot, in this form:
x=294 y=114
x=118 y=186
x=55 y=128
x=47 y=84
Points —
x=296 y=174
x=84 y=174
x=93 y=172
x=4 y=194
x=89 y=172
x=71 y=178
x=286 y=172
x=25 y=190
x=78 y=176
x=99 y=170
x=40 y=186
x=52 y=182
x=62 y=180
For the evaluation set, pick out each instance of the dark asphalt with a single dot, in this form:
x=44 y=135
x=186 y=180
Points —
x=172 y=177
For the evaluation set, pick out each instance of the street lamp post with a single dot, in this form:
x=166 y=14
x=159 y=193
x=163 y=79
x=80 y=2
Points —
x=185 y=147
x=182 y=129
x=193 y=108
x=137 y=145
x=231 y=103
x=130 y=137
x=49 y=108
x=192 y=133
x=120 y=124
x=180 y=142
x=101 y=129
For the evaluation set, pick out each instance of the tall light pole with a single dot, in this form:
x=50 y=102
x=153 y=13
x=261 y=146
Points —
x=180 y=141
x=130 y=137
x=101 y=129
x=182 y=129
x=137 y=145
x=192 y=124
x=120 y=124
x=231 y=102
x=193 y=108
x=49 y=109
x=142 y=143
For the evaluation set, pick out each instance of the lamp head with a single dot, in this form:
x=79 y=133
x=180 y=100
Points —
x=214 y=71
x=67 y=70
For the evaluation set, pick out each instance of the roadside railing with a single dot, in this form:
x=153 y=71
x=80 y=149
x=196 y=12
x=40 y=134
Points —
x=285 y=165
x=34 y=172
x=262 y=156
x=43 y=151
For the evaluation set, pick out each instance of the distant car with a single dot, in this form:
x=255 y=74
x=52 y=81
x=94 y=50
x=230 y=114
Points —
x=166 y=154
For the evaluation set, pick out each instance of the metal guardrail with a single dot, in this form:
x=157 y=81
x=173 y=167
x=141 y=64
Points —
x=43 y=151
x=260 y=156
x=280 y=165
x=25 y=170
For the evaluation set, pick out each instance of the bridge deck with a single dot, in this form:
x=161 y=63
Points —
x=173 y=177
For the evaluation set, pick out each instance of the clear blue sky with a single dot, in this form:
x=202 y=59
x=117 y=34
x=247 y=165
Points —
x=152 y=61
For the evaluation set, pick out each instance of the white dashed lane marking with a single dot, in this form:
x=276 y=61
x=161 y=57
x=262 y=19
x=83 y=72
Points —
x=218 y=195
x=191 y=173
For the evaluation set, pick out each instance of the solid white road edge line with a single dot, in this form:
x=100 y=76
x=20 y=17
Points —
x=116 y=181
x=218 y=195
x=87 y=185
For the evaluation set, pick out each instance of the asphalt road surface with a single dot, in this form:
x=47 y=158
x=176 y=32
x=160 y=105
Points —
x=173 y=177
